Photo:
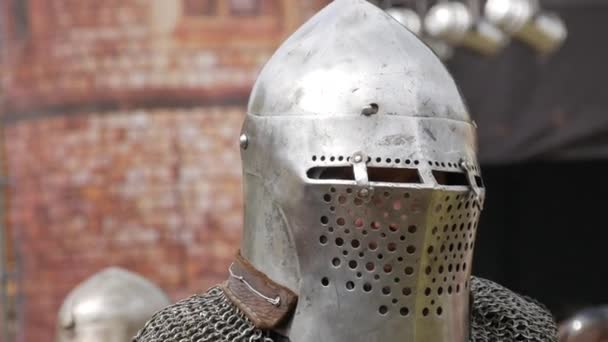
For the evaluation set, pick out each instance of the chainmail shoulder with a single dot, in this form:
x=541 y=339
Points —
x=208 y=317
x=498 y=314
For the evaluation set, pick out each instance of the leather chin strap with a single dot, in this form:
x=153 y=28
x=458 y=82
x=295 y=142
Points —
x=266 y=303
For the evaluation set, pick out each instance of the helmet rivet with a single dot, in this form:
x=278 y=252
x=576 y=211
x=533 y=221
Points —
x=243 y=141
x=358 y=158
x=370 y=109
x=364 y=192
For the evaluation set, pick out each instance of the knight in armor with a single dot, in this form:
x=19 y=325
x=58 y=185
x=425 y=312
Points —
x=110 y=306
x=362 y=195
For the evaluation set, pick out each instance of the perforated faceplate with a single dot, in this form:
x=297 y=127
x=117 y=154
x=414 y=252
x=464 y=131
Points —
x=401 y=259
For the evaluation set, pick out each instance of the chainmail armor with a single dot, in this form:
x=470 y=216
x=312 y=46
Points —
x=497 y=315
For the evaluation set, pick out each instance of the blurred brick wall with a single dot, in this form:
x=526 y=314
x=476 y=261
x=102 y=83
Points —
x=121 y=121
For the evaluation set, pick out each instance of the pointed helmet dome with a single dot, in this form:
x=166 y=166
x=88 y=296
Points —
x=111 y=305
x=348 y=56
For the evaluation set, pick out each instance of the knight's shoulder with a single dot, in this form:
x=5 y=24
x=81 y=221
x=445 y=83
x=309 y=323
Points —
x=180 y=319
x=499 y=312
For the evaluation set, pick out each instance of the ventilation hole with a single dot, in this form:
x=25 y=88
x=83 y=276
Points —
x=427 y=291
x=383 y=310
x=330 y=229
x=378 y=160
x=324 y=219
x=376 y=277
x=393 y=227
x=406 y=195
x=350 y=285
x=440 y=291
x=439 y=311
x=388 y=268
x=430 y=250
x=323 y=239
x=375 y=225
x=340 y=158
x=404 y=311
x=400 y=259
x=336 y=262
x=340 y=221
x=392 y=247
x=370 y=266
x=427 y=270
x=361 y=255
x=457 y=288
x=386 y=290
x=397 y=280
x=349 y=190
x=325 y=281
x=373 y=246
x=450 y=289
x=367 y=287
x=434 y=231
x=339 y=242
x=355 y=243
x=412 y=229
x=359 y=274
x=411 y=249
x=345 y=253
x=409 y=270
x=332 y=208
x=406 y=291
x=314 y=158
x=388 y=160
x=332 y=189
x=322 y=158
x=347 y=231
x=440 y=269
x=395 y=301
x=398 y=161
x=397 y=205
x=332 y=158
x=402 y=238
x=352 y=264
x=358 y=201
x=380 y=256
x=425 y=312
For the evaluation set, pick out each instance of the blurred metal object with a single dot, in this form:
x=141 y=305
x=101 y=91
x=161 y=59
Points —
x=590 y=325
x=456 y=24
x=111 y=306
x=413 y=22
x=523 y=19
x=408 y=18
